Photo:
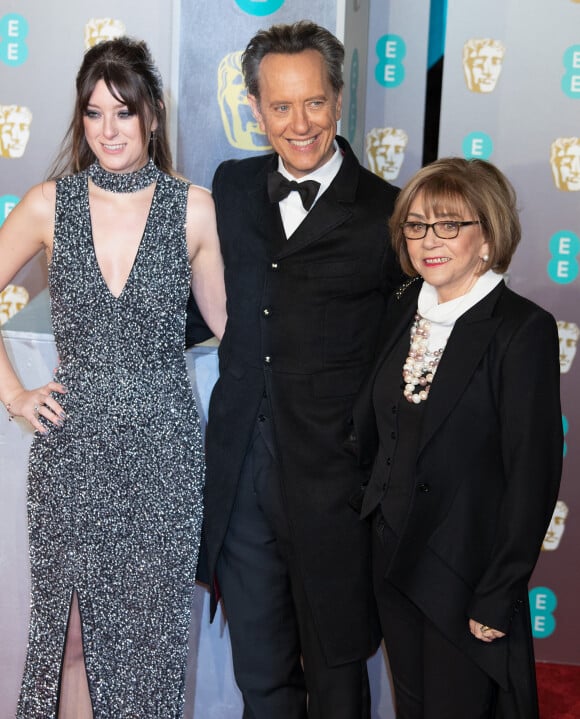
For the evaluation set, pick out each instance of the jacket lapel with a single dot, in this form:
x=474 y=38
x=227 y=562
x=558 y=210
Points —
x=399 y=314
x=467 y=343
x=266 y=214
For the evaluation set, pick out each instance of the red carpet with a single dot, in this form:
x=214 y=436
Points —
x=558 y=690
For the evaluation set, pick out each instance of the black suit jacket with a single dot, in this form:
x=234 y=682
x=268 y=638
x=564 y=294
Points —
x=303 y=318
x=486 y=479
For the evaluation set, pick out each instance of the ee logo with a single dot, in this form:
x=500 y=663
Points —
x=563 y=267
x=571 y=78
x=13 y=31
x=7 y=204
x=543 y=602
x=477 y=145
x=391 y=50
x=260 y=7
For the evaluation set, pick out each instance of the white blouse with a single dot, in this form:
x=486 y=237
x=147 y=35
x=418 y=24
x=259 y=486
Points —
x=443 y=316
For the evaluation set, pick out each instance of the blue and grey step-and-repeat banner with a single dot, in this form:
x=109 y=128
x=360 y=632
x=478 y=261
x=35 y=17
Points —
x=510 y=93
x=214 y=118
x=396 y=88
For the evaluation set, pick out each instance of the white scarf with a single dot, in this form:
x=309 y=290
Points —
x=443 y=316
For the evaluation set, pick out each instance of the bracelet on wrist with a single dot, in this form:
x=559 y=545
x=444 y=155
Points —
x=10 y=415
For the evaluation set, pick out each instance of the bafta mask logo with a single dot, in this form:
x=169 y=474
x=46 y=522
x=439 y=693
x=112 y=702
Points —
x=556 y=528
x=482 y=62
x=14 y=130
x=568 y=334
x=565 y=162
x=100 y=29
x=240 y=126
x=385 y=148
x=12 y=300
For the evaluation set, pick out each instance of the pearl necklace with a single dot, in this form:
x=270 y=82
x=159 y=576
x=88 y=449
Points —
x=124 y=181
x=421 y=363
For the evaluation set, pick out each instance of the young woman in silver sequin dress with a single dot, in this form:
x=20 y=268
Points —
x=116 y=466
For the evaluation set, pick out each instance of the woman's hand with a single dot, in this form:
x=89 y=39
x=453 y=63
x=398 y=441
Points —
x=35 y=403
x=483 y=632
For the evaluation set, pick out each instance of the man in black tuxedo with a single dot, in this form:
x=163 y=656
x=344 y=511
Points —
x=308 y=268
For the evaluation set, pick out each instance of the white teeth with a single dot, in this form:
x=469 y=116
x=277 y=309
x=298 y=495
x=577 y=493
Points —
x=112 y=147
x=437 y=261
x=302 y=143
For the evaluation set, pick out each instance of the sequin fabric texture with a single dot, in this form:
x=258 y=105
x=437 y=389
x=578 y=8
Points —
x=115 y=496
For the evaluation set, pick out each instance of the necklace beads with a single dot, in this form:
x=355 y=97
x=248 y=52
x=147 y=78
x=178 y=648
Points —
x=421 y=363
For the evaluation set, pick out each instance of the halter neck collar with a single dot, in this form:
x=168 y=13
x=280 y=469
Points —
x=126 y=181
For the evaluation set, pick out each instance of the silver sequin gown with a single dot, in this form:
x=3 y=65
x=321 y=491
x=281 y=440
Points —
x=115 y=496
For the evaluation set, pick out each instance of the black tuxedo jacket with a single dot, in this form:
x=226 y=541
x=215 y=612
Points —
x=486 y=479
x=303 y=318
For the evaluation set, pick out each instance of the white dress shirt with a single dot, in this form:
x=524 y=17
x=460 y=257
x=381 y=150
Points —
x=291 y=207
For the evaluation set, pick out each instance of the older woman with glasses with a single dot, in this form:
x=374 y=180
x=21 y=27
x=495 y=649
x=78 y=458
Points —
x=460 y=426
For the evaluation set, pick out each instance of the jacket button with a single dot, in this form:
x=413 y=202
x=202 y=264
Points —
x=274 y=265
x=266 y=311
x=423 y=488
x=394 y=409
x=267 y=359
x=261 y=418
x=393 y=435
x=388 y=462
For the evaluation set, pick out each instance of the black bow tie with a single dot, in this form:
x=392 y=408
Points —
x=279 y=188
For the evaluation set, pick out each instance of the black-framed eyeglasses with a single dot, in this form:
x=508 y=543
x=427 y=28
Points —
x=444 y=229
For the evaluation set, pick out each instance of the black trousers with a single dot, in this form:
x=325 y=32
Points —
x=432 y=679
x=279 y=663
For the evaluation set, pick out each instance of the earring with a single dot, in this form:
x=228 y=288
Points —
x=485 y=258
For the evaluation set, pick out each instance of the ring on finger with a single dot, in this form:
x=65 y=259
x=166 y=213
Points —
x=36 y=411
x=484 y=628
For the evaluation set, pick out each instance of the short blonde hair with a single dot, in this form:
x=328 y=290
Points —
x=449 y=185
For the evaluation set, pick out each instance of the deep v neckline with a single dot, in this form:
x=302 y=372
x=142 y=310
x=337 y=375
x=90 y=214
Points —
x=142 y=241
